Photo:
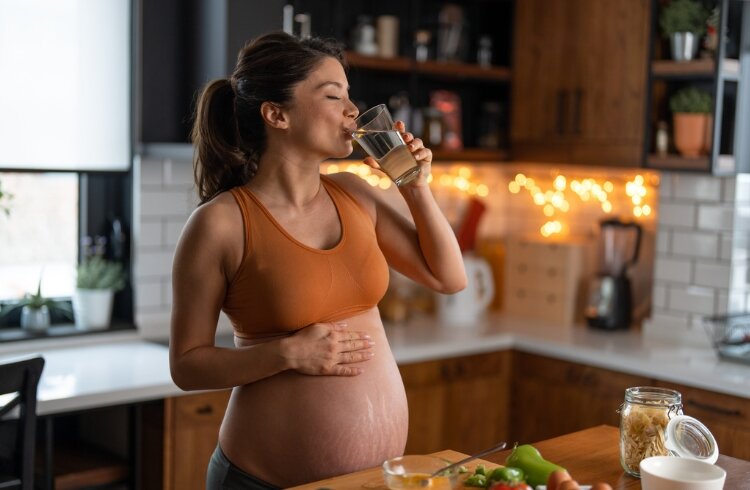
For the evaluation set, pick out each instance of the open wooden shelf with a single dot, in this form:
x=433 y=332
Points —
x=454 y=70
x=674 y=161
x=704 y=68
x=80 y=465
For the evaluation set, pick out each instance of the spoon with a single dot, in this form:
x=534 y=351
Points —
x=498 y=447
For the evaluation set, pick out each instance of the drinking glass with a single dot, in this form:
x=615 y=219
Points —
x=376 y=135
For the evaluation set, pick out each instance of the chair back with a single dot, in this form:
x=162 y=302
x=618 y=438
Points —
x=19 y=380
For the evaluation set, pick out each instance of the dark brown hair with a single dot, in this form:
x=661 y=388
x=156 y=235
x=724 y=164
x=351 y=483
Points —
x=229 y=133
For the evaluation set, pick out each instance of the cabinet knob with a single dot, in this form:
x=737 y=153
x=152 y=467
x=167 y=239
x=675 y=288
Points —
x=204 y=410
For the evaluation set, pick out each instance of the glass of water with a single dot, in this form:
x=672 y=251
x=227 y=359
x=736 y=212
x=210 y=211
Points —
x=376 y=135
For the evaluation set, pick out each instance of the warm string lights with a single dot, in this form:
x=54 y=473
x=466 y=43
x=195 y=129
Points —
x=459 y=179
x=555 y=199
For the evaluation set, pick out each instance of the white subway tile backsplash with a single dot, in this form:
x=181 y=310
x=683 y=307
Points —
x=725 y=246
x=172 y=231
x=164 y=203
x=659 y=296
x=150 y=234
x=737 y=301
x=692 y=299
x=166 y=291
x=719 y=218
x=740 y=274
x=742 y=188
x=666 y=186
x=742 y=218
x=699 y=245
x=697 y=187
x=662 y=241
x=148 y=294
x=677 y=215
x=729 y=185
x=154 y=264
x=722 y=302
x=672 y=270
x=712 y=274
x=151 y=171
x=178 y=173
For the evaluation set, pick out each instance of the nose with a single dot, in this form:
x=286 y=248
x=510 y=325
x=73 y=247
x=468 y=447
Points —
x=351 y=110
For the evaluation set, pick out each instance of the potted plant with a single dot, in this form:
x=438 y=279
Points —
x=692 y=121
x=683 y=22
x=97 y=282
x=35 y=310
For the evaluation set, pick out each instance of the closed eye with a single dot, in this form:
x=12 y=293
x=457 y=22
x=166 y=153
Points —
x=333 y=97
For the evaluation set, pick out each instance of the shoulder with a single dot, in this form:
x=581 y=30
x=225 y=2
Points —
x=216 y=223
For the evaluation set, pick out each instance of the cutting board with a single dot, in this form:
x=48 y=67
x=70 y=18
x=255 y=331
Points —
x=373 y=478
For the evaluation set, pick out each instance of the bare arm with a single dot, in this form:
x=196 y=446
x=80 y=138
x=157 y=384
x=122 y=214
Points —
x=203 y=265
x=424 y=247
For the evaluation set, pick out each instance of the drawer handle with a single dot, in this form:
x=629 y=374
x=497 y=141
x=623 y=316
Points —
x=715 y=409
x=204 y=410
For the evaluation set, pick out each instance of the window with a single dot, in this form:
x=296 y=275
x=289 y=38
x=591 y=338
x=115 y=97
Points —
x=38 y=234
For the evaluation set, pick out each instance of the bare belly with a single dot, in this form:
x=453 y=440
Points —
x=291 y=428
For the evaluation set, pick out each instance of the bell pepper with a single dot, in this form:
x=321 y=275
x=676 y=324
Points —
x=527 y=458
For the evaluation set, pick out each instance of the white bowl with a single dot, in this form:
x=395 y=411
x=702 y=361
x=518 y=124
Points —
x=673 y=473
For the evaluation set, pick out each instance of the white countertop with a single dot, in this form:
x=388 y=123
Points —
x=112 y=372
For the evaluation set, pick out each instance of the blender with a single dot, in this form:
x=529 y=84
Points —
x=610 y=301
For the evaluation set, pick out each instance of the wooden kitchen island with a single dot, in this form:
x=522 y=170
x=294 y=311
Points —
x=590 y=455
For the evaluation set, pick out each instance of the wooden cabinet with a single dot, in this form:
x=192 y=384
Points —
x=191 y=432
x=726 y=416
x=552 y=397
x=579 y=81
x=459 y=403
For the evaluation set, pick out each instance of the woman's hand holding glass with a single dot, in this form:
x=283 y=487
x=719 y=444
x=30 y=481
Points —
x=326 y=349
x=421 y=154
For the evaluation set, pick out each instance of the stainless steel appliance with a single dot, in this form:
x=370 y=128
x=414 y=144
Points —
x=610 y=300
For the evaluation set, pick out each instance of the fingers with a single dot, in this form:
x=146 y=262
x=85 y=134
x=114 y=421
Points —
x=371 y=162
x=353 y=345
x=354 y=357
x=341 y=370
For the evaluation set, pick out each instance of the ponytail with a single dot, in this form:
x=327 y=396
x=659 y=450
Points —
x=219 y=163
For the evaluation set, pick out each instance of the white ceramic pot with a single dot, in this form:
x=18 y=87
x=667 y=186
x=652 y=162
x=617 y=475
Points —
x=92 y=308
x=35 y=319
x=465 y=307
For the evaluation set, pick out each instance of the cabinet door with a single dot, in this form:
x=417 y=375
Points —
x=191 y=432
x=477 y=400
x=726 y=416
x=608 y=94
x=540 y=97
x=579 y=81
x=553 y=397
x=459 y=403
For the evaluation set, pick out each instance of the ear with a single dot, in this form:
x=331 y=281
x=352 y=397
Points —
x=274 y=115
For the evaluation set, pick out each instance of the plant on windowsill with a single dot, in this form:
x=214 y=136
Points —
x=97 y=282
x=692 y=121
x=683 y=22
x=35 y=310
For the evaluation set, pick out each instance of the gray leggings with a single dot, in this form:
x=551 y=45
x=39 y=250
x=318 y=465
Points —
x=223 y=475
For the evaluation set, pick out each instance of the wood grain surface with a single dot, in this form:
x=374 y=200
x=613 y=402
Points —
x=590 y=455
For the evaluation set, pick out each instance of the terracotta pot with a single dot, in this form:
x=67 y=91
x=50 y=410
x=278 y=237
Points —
x=690 y=133
x=707 y=140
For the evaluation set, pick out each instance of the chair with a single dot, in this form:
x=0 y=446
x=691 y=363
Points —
x=19 y=379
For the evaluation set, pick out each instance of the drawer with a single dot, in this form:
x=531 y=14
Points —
x=531 y=275
x=711 y=407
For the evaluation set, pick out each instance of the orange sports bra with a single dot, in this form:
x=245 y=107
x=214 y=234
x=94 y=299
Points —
x=283 y=285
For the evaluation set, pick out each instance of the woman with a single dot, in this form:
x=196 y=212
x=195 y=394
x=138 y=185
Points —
x=298 y=262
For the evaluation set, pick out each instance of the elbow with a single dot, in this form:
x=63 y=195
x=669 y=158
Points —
x=180 y=377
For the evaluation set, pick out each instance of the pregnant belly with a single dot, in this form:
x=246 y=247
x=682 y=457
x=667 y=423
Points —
x=291 y=429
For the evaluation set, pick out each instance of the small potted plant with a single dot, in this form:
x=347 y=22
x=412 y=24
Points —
x=97 y=281
x=692 y=121
x=683 y=22
x=35 y=310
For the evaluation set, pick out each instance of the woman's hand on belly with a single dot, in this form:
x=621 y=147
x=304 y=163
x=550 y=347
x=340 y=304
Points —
x=327 y=349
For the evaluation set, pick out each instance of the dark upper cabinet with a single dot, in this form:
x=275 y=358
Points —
x=184 y=44
x=579 y=81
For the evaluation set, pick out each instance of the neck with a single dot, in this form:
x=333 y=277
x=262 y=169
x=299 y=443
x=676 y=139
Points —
x=286 y=178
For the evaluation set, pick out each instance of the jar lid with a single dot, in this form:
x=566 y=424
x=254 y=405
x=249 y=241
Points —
x=687 y=437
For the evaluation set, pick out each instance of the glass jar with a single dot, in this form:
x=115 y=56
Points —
x=644 y=416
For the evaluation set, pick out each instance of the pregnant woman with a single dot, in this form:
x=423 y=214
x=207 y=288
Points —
x=298 y=262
